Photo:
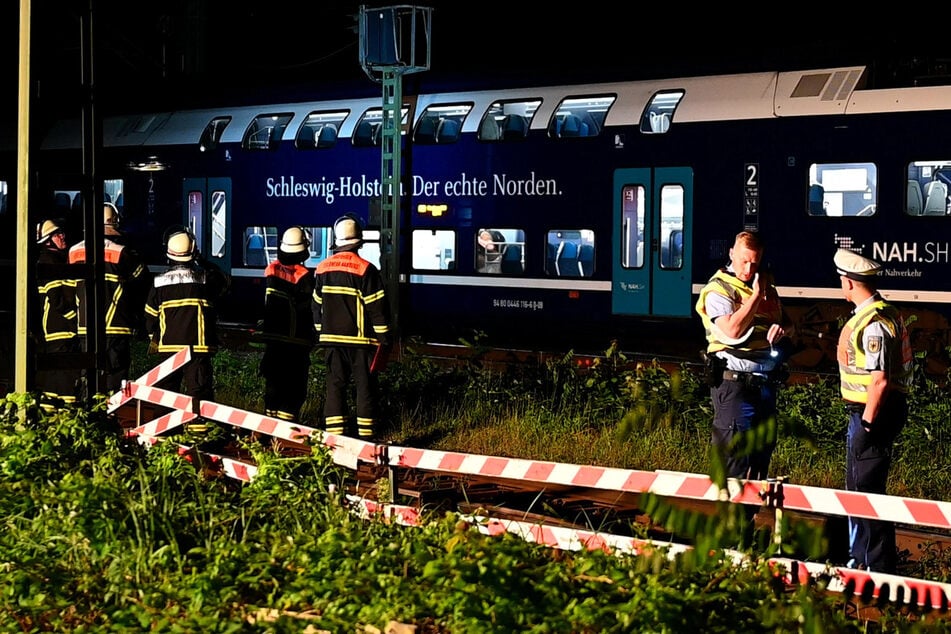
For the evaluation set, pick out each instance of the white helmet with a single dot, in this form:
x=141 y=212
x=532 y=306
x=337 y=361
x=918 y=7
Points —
x=347 y=231
x=180 y=247
x=295 y=240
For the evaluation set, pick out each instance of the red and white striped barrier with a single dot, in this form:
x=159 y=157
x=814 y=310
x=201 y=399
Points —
x=162 y=424
x=153 y=376
x=681 y=485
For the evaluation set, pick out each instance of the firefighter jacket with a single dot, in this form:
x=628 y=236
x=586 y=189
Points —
x=350 y=307
x=127 y=282
x=851 y=353
x=768 y=312
x=288 y=316
x=181 y=308
x=55 y=318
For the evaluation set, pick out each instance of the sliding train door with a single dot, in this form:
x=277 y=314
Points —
x=652 y=238
x=207 y=203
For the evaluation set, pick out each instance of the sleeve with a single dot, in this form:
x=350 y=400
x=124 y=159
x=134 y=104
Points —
x=151 y=313
x=377 y=304
x=316 y=304
x=875 y=343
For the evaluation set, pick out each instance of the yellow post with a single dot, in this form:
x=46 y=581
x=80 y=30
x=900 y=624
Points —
x=22 y=196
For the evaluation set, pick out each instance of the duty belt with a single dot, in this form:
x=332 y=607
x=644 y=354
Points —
x=745 y=378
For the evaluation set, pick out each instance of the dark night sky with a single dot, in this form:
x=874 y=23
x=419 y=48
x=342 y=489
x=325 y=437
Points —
x=176 y=52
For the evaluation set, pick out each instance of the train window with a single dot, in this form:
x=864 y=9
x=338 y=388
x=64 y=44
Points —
x=441 y=124
x=842 y=189
x=266 y=131
x=580 y=116
x=434 y=249
x=211 y=135
x=660 y=111
x=3 y=198
x=319 y=130
x=632 y=226
x=508 y=120
x=928 y=185
x=500 y=251
x=671 y=227
x=570 y=253
x=368 y=129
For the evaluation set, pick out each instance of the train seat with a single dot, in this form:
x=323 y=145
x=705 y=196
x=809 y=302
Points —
x=512 y=259
x=326 y=136
x=551 y=257
x=448 y=131
x=586 y=260
x=363 y=135
x=61 y=203
x=571 y=126
x=489 y=129
x=817 y=200
x=566 y=263
x=936 y=199
x=514 y=126
x=914 y=205
x=255 y=253
x=426 y=130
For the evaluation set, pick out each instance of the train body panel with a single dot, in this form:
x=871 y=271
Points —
x=564 y=216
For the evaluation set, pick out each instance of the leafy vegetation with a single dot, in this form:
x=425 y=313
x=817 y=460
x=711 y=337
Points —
x=101 y=534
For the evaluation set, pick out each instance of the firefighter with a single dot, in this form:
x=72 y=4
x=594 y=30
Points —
x=287 y=329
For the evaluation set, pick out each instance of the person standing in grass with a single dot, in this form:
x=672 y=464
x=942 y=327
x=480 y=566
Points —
x=54 y=319
x=876 y=366
x=742 y=315
x=181 y=311
x=352 y=318
x=287 y=329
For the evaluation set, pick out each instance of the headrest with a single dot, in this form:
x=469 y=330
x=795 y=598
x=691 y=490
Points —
x=855 y=266
x=347 y=231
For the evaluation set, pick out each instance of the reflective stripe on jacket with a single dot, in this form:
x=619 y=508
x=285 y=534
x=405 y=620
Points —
x=854 y=379
x=728 y=285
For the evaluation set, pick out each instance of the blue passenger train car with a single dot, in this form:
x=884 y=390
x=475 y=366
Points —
x=560 y=216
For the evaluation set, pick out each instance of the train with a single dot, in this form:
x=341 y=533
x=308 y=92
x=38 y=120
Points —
x=554 y=216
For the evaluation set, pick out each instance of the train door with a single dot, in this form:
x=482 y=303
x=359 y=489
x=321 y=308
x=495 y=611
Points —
x=652 y=238
x=208 y=215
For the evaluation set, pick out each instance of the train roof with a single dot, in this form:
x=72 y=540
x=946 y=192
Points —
x=741 y=96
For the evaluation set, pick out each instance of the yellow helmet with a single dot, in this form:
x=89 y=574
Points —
x=46 y=230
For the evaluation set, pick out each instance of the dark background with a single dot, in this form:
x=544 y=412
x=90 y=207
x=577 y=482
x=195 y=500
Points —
x=151 y=55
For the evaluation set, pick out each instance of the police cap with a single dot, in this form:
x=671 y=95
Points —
x=855 y=266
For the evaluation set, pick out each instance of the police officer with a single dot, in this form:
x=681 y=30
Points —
x=875 y=370
x=180 y=312
x=742 y=315
x=351 y=315
x=55 y=315
x=127 y=280
x=288 y=327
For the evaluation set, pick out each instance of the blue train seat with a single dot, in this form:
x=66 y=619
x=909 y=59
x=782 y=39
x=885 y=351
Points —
x=512 y=259
x=514 y=126
x=363 y=135
x=571 y=126
x=566 y=263
x=550 y=258
x=426 y=130
x=255 y=253
x=62 y=203
x=816 y=200
x=448 y=131
x=326 y=136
